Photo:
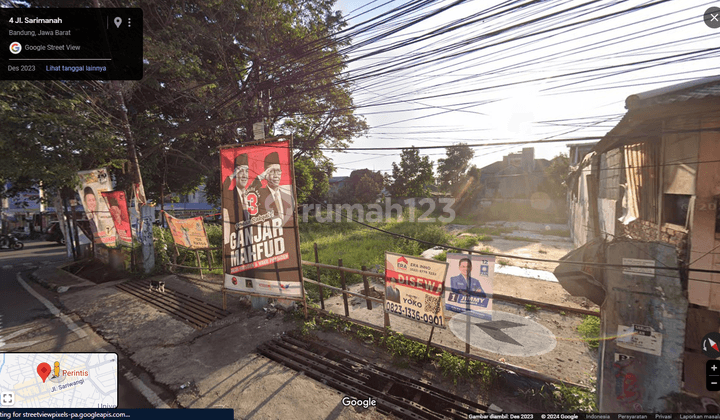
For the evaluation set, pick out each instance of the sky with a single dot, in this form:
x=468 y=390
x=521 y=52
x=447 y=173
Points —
x=547 y=70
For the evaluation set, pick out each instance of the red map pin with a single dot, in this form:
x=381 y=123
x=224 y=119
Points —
x=43 y=370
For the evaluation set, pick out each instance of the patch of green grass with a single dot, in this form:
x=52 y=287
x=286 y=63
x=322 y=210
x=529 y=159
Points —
x=509 y=211
x=466 y=242
x=503 y=262
x=557 y=232
x=531 y=308
x=358 y=245
x=589 y=329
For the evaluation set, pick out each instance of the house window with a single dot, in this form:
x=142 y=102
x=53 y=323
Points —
x=675 y=208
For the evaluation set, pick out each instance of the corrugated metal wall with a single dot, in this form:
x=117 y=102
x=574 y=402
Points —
x=642 y=162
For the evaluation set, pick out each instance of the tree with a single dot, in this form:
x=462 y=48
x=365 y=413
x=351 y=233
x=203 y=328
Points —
x=452 y=169
x=556 y=175
x=413 y=177
x=363 y=186
x=240 y=62
x=211 y=70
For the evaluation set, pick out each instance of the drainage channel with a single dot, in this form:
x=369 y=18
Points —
x=192 y=310
x=396 y=394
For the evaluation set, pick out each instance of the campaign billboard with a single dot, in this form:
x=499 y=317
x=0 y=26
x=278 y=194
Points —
x=189 y=233
x=260 y=239
x=92 y=184
x=413 y=288
x=469 y=284
x=117 y=205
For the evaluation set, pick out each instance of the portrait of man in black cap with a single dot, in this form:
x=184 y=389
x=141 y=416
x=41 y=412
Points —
x=275 y=197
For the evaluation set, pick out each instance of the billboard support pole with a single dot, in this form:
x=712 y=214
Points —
x=297 y=232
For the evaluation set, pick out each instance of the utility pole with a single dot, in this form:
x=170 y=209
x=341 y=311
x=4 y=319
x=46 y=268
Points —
x=146 y=215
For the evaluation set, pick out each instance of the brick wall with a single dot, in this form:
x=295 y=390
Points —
x=647 y=231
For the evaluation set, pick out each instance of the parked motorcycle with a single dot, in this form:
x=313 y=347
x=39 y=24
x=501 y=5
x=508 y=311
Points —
x=10 y=241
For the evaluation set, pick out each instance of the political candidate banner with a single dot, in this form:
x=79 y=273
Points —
x=92 y=183
x=117 y=205
x=413 y=288
x=468 y=285
x=189 y=233
x=260 y=241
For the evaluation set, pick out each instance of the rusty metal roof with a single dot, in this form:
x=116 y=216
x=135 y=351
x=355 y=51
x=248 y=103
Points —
x=694 y=89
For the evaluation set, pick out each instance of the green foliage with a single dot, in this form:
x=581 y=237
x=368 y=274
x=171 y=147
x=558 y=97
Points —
x=413 y=177
x=466 y=242
x=556 y=175
x=358 y=245
x=589 y=329
x=404 y=350
x=531 y=308
x=458 y=368
x=165 y=250
x=441 y=256
x=237 y=62
x=48 y=133
x=452 y=169
x=563 y=398
x=363 y=186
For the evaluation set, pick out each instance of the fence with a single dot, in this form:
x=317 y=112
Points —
x=366 y=275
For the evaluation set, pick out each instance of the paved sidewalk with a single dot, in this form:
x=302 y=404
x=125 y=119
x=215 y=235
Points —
x=213 y=367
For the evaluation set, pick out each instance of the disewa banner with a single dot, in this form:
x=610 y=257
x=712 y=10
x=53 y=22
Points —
x=413 y=288
x=92 y=184
x=117 y=205
x=260 y=239
x=189 y=233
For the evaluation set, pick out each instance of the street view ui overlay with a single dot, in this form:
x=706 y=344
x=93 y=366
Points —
x=58 y=380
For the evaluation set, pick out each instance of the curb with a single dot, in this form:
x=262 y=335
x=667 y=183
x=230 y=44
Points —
x=56 y=288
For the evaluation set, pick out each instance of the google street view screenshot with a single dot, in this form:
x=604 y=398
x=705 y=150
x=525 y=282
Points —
x=360 y=209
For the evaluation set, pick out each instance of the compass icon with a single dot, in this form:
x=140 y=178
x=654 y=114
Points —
x=711 y=345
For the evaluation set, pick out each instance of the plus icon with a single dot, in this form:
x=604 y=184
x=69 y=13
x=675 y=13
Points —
x=714 y=368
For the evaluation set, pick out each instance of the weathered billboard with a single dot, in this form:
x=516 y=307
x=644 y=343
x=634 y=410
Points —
x=468 y=286
x=189 y=233
x=92 y=184
x=260 y=238
x=413 y=288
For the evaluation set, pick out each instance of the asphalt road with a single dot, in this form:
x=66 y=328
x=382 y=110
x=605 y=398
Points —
x=28 y=325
